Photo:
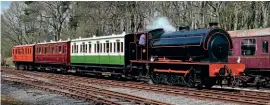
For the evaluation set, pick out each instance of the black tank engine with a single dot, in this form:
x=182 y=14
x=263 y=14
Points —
x=202 y=45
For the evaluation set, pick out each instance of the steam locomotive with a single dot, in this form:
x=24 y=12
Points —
x=185 y=57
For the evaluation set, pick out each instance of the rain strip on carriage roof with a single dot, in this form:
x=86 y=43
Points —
x=250 y=32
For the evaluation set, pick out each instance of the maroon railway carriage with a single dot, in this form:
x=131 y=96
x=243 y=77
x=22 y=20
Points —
x=251 y=47
x=53 y=55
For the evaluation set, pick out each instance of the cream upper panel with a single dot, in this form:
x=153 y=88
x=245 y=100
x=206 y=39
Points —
x=105 y=45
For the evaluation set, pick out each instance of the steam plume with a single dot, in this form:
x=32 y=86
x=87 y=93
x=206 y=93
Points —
x=159 y=22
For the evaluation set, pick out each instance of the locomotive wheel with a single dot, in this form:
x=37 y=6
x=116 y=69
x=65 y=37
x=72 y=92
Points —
x=156 y=77
x=165 y=79
x=189 y=80
x=173 y=79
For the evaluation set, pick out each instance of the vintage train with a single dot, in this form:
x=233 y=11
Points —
x=251 y=47
x=185 y=57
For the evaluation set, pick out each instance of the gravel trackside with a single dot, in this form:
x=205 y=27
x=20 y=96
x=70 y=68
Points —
x=36 y=97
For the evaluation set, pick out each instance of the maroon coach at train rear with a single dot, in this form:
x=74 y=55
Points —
x=251 y=47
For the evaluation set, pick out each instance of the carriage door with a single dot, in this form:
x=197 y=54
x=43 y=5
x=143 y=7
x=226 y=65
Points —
x=132 y=51
x=265 y=52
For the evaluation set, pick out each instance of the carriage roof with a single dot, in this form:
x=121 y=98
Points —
x=250 y=32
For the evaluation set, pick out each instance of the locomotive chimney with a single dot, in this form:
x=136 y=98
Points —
x=213 y=24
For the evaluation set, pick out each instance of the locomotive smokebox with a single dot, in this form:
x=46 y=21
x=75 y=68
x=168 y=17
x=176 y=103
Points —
x=213 y=24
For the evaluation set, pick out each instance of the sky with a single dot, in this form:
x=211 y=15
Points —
x=4 y=5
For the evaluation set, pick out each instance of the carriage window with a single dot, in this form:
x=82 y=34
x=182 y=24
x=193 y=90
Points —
x=122 y=46
x=80 y=48
x=110 y=47
x=114 y=47
x=52 y=50
x=77 y=48
x=60 y=49
x=118 y=47
x=95 y=48
x=85 y=48
x=265 y=47
x=100 y=48
x=72 y=49
x=248 y=47
x=89 y=48
x=104 y=47
x=45 y=50
x=107 y=47
x=65 y=48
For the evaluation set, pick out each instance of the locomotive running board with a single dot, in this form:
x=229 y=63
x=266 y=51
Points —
x=185 y=72
x=158 y=62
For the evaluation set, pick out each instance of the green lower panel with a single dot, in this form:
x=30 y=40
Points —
x=98 y=59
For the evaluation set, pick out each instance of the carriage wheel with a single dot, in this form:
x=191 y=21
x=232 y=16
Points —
x=17 y=67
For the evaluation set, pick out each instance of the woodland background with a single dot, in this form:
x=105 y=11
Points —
x=37 y=21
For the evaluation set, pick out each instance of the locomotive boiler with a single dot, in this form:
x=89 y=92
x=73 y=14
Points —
x=200 y=45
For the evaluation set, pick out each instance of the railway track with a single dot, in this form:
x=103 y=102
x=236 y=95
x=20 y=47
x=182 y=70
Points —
x=87 y=93
x=244 y=97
